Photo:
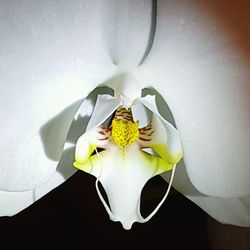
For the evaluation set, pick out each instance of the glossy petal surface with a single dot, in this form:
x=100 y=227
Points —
x=53 y=54
x=199 y=63
x=232 y=211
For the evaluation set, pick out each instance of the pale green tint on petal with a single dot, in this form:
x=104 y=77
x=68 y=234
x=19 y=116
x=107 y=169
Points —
x=86 y=167
x=158 y=164
x=83 y=151
x=93 y=165
x=163 y=151
x=84 y=147
x=165 y=139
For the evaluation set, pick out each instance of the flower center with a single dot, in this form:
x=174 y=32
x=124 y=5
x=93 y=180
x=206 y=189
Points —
x=124 y=132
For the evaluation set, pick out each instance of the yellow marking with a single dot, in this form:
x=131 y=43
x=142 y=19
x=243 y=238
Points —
x=164 y=152
x=125 y=132
x=82 y=156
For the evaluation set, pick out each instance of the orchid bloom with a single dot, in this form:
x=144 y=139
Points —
x=123 y=167
x=148 y=57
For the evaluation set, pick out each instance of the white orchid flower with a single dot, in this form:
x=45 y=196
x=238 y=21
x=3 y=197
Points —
x=123 y=167
x=55 y=53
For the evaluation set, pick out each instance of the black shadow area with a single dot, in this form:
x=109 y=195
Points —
x=72 y=216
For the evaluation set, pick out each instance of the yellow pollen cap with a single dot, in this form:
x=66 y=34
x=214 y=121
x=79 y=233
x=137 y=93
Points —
x=124 y=132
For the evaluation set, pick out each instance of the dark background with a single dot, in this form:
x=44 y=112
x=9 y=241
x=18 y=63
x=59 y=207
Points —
x=73 y=216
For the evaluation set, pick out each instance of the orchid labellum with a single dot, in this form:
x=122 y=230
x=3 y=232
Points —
x=123 y=167
x=104 y=86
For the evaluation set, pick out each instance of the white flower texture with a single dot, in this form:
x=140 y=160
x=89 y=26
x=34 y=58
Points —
x=54 y=53
x=123 y=167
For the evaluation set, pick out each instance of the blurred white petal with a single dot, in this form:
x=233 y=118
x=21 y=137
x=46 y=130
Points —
x=201 y=68
x=232 y=211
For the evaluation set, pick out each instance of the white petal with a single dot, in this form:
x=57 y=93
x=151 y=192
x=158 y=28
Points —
x=123 y=180
x=14 y=202
x=199 y=64
x=75 y=134
x=104 y=107
x=165 y=139
x=84 y=147
x=232 y=211
x=141 y=114
x=52 y=54
x=50 y=60
x=127 y=26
